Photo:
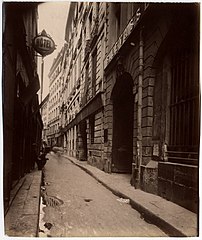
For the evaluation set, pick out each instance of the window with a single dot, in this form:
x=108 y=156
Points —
x=176 y=106
x=90 y=18
x=79 y=65
x=94 y=68
x=184 y=131
x=118 y=17
x=86 y=95
x=105 y=135
x=80 y=6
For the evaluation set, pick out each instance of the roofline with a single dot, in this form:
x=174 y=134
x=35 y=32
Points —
x=69 y=19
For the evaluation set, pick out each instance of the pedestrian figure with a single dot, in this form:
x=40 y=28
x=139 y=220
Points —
x=34 y=153
x=41 y=160
x=45 y=148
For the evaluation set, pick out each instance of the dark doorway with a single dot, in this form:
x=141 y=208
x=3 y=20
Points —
x=83 y=142
x=122 y=146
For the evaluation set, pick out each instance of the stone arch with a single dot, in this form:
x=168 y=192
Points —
x=122 y=144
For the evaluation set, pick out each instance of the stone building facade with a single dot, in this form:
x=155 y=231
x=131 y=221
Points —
x=44 y=106
x=82 y=107
x=152 y=93
x=22 y=124
x=131 y=101
x=55 y=86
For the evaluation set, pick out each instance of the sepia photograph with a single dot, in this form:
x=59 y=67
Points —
x=100 y=119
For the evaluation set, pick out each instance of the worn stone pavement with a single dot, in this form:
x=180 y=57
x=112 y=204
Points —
x=22 y=217
x=175 y=220
x=77 y=205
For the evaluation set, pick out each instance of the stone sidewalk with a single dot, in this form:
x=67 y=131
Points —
x=173 y=219
x=21 y=220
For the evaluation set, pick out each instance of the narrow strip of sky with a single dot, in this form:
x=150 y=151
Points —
x=52 y=18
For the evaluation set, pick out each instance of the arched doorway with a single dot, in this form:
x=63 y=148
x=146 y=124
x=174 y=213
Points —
x=122 y=142
x=82 y=141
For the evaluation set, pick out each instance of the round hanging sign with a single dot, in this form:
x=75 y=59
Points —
x=43 y=44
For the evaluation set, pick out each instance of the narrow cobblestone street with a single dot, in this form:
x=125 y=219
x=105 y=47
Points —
x=101 y=119
x=78 y=205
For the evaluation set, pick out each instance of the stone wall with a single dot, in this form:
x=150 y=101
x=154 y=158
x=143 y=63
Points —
x=95 y=149
x=108 y=121
x=179 y=183
x=154 y=176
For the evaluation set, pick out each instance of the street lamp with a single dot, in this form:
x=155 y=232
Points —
x=44 y=45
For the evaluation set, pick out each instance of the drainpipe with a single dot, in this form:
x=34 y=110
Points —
x=139 y=115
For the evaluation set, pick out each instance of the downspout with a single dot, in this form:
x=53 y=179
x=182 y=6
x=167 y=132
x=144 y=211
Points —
x=139 y=115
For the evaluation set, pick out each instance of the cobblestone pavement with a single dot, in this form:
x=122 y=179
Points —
x=78 y=205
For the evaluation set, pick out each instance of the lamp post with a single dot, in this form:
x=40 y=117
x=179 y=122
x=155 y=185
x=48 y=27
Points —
x=42 y=67
x=44 y=45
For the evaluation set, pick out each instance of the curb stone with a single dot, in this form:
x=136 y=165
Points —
x=146 y=213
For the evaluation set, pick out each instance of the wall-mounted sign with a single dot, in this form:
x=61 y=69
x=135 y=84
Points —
x=43 y=44
x=122 y=38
